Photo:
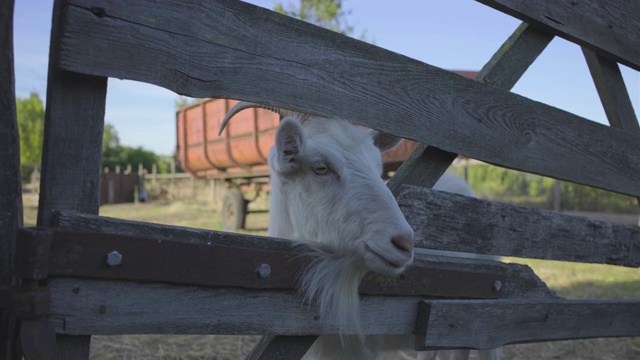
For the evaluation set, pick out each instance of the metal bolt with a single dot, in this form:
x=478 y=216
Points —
x=264 y=270
x=497 y=285
x=114 y=258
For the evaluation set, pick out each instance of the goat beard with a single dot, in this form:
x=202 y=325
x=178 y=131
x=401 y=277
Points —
x=331 y=281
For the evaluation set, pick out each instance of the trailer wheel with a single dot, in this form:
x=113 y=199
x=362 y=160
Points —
x=234 y=210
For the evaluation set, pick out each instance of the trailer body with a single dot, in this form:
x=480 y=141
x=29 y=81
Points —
x=239 y=155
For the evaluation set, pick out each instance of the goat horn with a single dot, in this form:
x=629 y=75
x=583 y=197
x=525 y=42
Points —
x=246 y=105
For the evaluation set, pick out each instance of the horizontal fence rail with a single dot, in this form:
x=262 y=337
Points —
x=236 y=50
x=495 y=228
x=431 y=276
x=449 y=323
x=611 y=28
x=86 y=284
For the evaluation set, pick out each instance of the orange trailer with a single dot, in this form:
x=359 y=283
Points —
x=239 y=156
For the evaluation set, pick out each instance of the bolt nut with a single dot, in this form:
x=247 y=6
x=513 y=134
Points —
x=264 y=270
x=114 y=258
x=497 y=285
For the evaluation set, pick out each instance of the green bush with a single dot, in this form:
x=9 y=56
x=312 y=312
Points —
x=500 y=184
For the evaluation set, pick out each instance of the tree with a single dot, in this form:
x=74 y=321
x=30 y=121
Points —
x=114 y=154
x=110 y=139
x=329 y=14
x=30 y=113
x=183 y=101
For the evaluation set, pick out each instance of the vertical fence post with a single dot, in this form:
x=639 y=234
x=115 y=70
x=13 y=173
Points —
x=154 y=174
x=173 y=177
x=557 y=195
x=10 y=177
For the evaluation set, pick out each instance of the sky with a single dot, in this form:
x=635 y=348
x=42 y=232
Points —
x=452 y=34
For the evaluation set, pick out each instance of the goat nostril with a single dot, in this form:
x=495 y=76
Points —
x=403 y=243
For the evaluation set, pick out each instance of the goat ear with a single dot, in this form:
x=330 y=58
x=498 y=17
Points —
x=385 y=141
x=289 y=142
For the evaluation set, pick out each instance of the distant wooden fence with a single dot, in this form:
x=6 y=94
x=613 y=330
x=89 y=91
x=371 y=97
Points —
x=99 y=276
x=117 y=188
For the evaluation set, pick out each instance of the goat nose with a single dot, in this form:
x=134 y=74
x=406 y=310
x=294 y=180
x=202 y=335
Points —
x=404 y=242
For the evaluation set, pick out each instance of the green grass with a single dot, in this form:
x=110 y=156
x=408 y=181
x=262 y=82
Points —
x=179 y=214
x=586 y=281
x=571 y=280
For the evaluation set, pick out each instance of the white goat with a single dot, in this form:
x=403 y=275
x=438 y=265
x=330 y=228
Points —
x=327 y=192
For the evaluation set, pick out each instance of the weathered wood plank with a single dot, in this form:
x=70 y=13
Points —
x=235 y=50
x=109 y=307
x=79 y=254
x=611 y=28
x=503 y=229
x=514 y=57
x=612 y=91
x=494 y=323
x=427 y=164
x=71 y=154
x=11 y=188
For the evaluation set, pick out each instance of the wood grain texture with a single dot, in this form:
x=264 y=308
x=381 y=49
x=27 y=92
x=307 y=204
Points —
x=503 y=229
x=613 y=93
x=427 y=164
x=71 y=153
x=235 y=50
x=83 y=306
x=494 y=323
x=10 y=178
x=72 y=148
x=611 y=28
x=80 y=254
x=514 y=57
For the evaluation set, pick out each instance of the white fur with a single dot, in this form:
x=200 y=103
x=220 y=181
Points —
x=327 y=192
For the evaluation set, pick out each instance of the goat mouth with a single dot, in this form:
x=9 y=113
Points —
x=384 y=259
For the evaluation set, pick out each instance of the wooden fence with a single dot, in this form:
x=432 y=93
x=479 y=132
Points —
x=234 y=50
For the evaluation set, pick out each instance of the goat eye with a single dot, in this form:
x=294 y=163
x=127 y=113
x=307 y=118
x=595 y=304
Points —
x=320 y=168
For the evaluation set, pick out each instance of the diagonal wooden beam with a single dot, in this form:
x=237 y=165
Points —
x=613 y=93
x=427 y=164
x=272 y=347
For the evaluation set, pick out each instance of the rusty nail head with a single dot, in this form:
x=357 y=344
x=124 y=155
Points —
x=114 y=258
x=497 y=285
x=264 y=270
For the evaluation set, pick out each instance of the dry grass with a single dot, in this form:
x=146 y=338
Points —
x=568 y=279
x=170 y=347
